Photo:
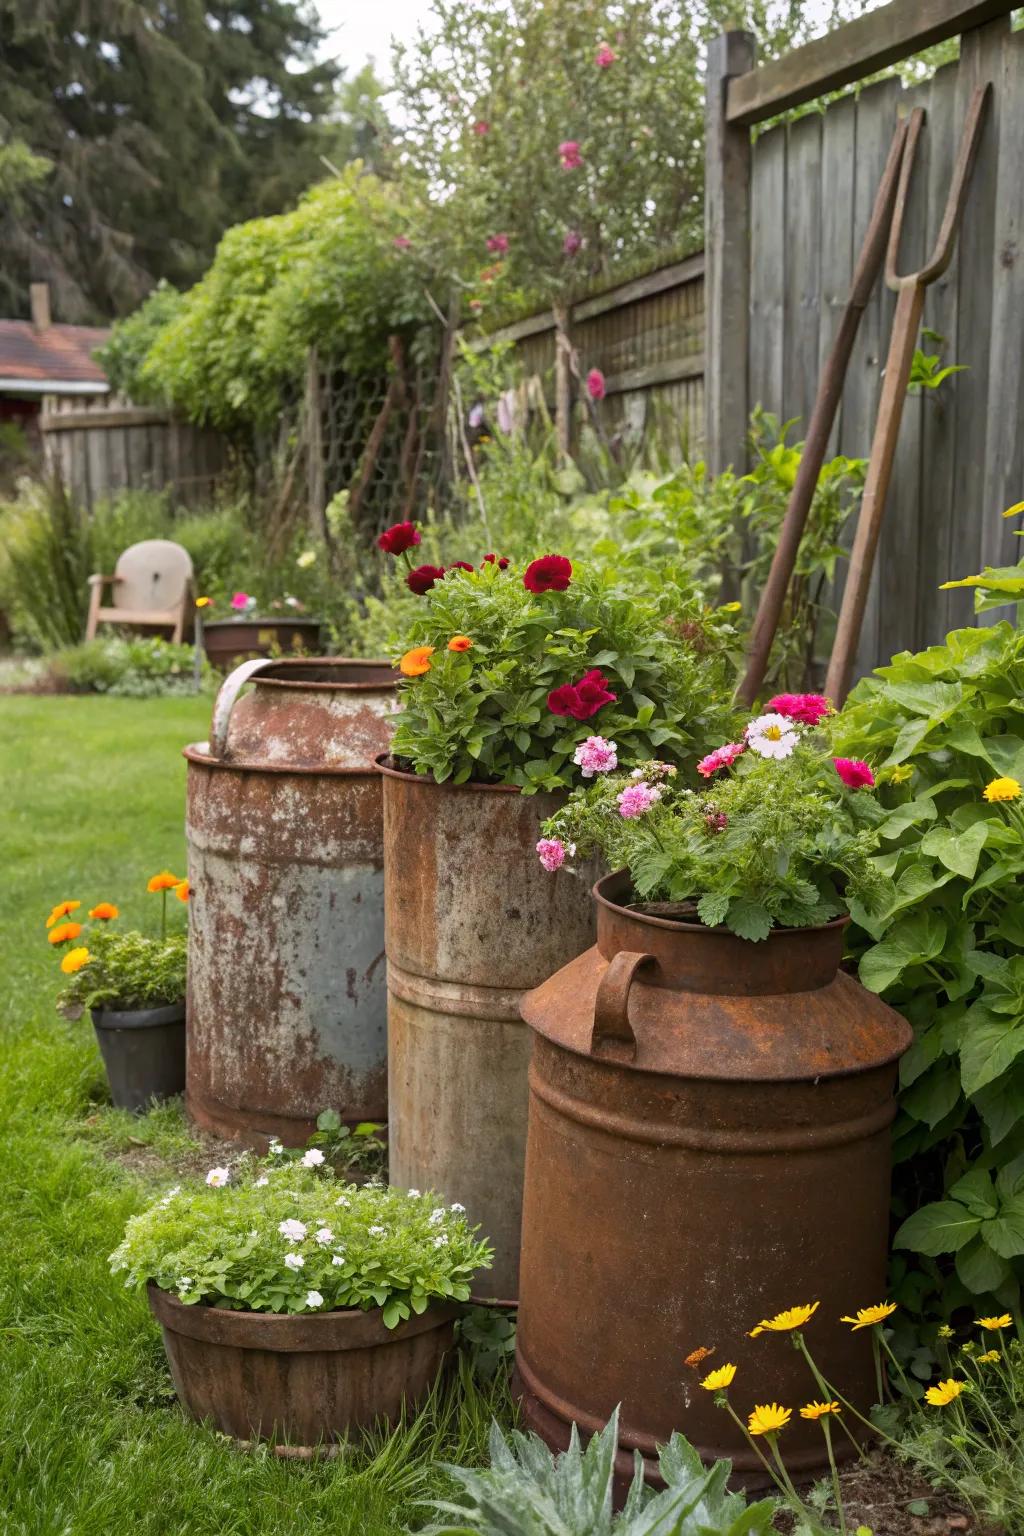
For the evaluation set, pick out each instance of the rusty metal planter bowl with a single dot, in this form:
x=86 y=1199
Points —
x=709 y=1144
x=302 y=1382
x=143 y=1052
x=228 y=642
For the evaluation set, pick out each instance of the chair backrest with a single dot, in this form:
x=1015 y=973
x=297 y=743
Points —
x=153 y=576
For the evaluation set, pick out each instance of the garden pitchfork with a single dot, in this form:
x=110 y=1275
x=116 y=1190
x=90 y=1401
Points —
x=906 y=324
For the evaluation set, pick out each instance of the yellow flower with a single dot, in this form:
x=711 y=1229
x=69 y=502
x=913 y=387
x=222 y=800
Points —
x=730 y=607
x=785 y=1322
x=64 y=933
x=1002 y=789
x=203 y=602
x=868 y=1316
x=768 y=1419
x=696 y=1356
x=818 y=1410
x=1004 y=1321
x=417 y=661
x=987 y=1359
x=61 y=910
x=164 y=881
x=944 y=1393
x=74 y=960
x=718 y=1380
x=103 y=912
x=900 y=774
x=945 y=1331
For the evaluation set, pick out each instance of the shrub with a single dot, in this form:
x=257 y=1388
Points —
x=135 y=668
x=45 y=566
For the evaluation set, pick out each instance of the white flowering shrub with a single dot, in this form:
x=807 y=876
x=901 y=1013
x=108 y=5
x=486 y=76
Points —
x=274 y=1235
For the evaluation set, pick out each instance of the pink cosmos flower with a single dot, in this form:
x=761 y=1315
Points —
x=605 y=57
x=551 y=852
x=569 y=154
x=595 y=755
x=637 y=799
x=498 y=244
x=808 y=708
x=721 y=757
x=402 y=243
x=240 y=601
x=481 y=127
x=595 y=384
x=854 y=772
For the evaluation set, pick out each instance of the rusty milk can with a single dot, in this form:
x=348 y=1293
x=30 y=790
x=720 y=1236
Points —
x=472 y=921
x=286 y=988
x=708 y=1145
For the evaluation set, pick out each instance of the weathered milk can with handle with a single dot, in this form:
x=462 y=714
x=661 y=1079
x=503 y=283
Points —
x=286 y=986
x=708 y=1145
x=472 y=921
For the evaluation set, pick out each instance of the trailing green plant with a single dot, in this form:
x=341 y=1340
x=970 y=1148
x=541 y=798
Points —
x=780 y=835
x=125 y=971
x=503 y=668
x=356 y=1148
x=130 y=667
x=531 y=1491
x=281 y=1235
x=487 y=1335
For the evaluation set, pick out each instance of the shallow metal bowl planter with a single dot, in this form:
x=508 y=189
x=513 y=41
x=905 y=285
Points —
x=302 y=1382
x=228 y=642
x=143 y=1052
x=709 y=1144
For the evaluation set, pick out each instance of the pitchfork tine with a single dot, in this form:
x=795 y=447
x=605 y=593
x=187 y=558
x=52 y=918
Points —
x=942 y=255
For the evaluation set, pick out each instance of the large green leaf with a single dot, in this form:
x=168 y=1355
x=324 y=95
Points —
x=943 y=1227
x=912 y=941
x=991 y=1044
x=957 y=851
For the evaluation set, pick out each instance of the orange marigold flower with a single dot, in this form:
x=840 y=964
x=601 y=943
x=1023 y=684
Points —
x=64 y=933
x=104 y=912
x=164 y=881
x=459 y=643
x=183 y=891
x=74 y=960
x=698 y=1356
x=61 y=910
x=417 y=661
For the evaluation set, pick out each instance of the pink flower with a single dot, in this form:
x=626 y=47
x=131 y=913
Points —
x=854 y=772
x=402 y=243
x=605 y=57
x=551 y=852
x=481 y=128
x=240 y=600
x=595 y=384
x=572 y=242
x=715 y=821
x=721 y=757
x=569 y=154
x=595 y=755
x=637 y=799
x=808 y=708
x=498 y=244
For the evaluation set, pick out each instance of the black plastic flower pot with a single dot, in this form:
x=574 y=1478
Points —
x=143 y=1052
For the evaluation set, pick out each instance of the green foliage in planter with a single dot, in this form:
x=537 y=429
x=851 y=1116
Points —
x=131 y=668
x=530 y=1491
x=127 y=971
x=278 y=1235
x=485 y=713
x=939 y=726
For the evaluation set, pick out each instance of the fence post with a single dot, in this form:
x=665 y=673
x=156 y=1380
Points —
x=316 y=491
x=726 y=257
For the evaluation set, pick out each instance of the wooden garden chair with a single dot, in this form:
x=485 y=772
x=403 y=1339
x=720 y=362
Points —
x=151 y=588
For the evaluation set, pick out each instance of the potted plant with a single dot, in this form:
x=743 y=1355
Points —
x=516 y=682
x=295 y=1307
x=251 y=627
x=134 y=988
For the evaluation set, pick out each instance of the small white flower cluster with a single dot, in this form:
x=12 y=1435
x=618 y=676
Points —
x=292 y=1229
x=314 y=1158
x=218 y=1177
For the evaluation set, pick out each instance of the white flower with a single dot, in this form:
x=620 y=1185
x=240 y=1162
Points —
x=637 y=773
x=441 y=1242
x=261 y=1181
x=218 y=1177
x=306 y=559
x=294 y=1261
x=293 y=1230
x=184 y=1282
x=313 y=1158
x=437 y=1214
x=378 y=1231
x=275 y=1148
x=337 y=1258
x=341 y=1200
x=314 y=1299
x=771 y=736
x=457 y=1207
x=324 y=1236
x=413 y=1194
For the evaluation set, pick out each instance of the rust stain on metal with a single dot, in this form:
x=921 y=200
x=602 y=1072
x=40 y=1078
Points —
x=472 y=921
x=701 y=1109
x=286 y=1004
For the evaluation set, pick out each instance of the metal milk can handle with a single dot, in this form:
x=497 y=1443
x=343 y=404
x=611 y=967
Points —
x=611 y=1005
x=224 y=703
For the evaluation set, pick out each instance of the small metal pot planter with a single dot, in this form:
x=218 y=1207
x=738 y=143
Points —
x=471 y=921
x=302 y=1382
x=228 y=642
x=708 y=1145
x=143 y=1052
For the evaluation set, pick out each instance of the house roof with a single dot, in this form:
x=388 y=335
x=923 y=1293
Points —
x=39 y=361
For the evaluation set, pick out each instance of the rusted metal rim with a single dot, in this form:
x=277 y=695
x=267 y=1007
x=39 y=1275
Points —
x=196 y=752
x=384 y=761
x=605 y=891
x=290 y=672
x=289 y=1333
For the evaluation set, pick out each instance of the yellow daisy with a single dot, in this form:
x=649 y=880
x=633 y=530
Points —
x=1003 y=1321
x=718 y=1380
x=785 y=1322
x=987 y=1359
x=1002 y=789
x=768 y=1419
x=867 y=1317
x=944 y=1393
x=818 y=1410
x=74 y=960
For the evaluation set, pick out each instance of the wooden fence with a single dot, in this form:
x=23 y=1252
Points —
x=103 y=446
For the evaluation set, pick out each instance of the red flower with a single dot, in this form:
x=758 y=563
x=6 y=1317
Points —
x=497 y=244
x=595 y=384
x=572 y=242
x=569 y=154
x=551 y=573
x=423 y=577
x=854 y=772
x=481 y=127
x=808 y=708
x=398 y=538
x=605 y=57
x=583 y=699
x=402 y=243
x=460 y=565
x=499 y=560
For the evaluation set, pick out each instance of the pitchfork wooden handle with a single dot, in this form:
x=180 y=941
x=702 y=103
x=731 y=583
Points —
x=611 y=1005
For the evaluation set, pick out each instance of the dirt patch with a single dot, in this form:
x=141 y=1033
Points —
x=893 y=1498
x=140 y=1157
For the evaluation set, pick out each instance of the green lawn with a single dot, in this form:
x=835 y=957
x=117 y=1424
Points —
x=92 y=1441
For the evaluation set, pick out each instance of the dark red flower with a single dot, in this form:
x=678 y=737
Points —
x=460 y=565
x=499 y=560
x=551 y=573
x=582 y=699
x=423 y=577
x=398 y=538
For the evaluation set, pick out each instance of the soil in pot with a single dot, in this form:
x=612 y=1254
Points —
x=143 y=1052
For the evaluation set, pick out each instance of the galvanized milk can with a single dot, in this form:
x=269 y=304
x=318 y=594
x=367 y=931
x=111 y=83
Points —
x=286 y=991
x=472 y=921
x=708 y=1145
